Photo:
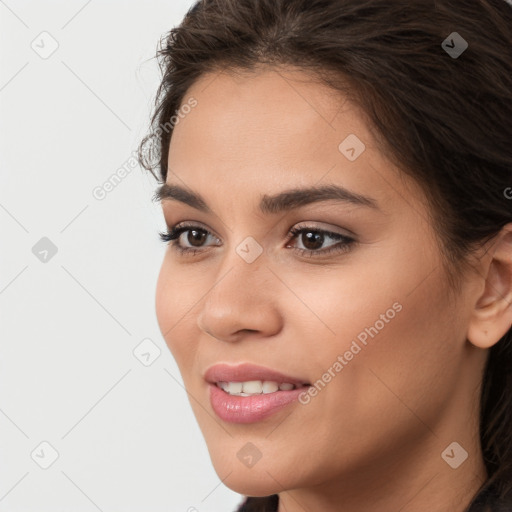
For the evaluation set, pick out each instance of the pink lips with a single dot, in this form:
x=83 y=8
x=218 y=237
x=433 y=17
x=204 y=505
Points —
x=249 y=409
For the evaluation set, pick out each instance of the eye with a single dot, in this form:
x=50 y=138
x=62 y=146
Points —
x=313 y=239
x=192 y=241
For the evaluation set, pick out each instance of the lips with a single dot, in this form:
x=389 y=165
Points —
x=249 y=372
x=250 y=408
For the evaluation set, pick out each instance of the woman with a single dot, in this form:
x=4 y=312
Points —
x=336 y=180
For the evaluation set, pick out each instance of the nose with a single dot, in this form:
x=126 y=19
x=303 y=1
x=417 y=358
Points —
x=242 y=302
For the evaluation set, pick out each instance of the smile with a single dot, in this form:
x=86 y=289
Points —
x=247 y=393
x=255 y=387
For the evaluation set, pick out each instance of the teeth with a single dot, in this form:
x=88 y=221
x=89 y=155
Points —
x=223 y=385
x=254 y=387
x=270 y=387
x=234 y=388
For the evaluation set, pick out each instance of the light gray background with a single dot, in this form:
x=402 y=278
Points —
x=124 y=432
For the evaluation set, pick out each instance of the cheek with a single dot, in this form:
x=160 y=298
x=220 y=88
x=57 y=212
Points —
x=165 y=299
x=176 y=295
x=400 y=346
x=388 y=317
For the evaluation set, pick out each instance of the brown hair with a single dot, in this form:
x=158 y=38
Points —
x=445 y=120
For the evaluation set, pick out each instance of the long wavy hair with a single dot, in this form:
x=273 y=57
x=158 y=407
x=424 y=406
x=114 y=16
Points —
x=445 y=120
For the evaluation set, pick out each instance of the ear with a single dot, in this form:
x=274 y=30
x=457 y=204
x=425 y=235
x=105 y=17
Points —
x=491 y=317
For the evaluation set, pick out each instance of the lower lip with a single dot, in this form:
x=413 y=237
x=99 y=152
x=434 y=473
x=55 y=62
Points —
x=250 y=409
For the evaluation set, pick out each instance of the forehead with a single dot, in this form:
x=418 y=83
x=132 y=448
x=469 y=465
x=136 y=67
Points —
x=268 y=105
x=277 y=86
x=275 y=129
x=271 y=117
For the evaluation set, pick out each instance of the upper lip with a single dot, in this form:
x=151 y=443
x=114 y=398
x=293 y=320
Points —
x=246 y=372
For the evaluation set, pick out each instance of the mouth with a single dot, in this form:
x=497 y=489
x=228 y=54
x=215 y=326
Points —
x=247 y=393
x=248 y=379
x=256 y=387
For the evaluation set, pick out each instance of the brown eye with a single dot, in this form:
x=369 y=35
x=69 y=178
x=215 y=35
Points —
x=196 y=237
x=189 y=239
x=312 y=240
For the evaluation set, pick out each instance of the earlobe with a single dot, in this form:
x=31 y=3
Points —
x=492 y=314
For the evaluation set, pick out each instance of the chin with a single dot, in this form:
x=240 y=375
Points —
x=250 y=483
x=260 y=479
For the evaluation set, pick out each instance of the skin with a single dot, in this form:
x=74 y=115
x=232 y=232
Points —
x=372 y=439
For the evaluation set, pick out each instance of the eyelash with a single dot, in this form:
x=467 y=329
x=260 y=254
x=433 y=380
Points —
x=344 y=242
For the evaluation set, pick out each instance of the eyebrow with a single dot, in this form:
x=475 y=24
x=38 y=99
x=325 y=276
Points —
x=283 y=201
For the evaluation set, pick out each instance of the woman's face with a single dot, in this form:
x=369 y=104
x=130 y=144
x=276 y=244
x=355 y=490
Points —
x=369 y=324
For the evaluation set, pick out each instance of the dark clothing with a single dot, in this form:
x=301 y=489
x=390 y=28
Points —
x=486 y=501
x=268 y=504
